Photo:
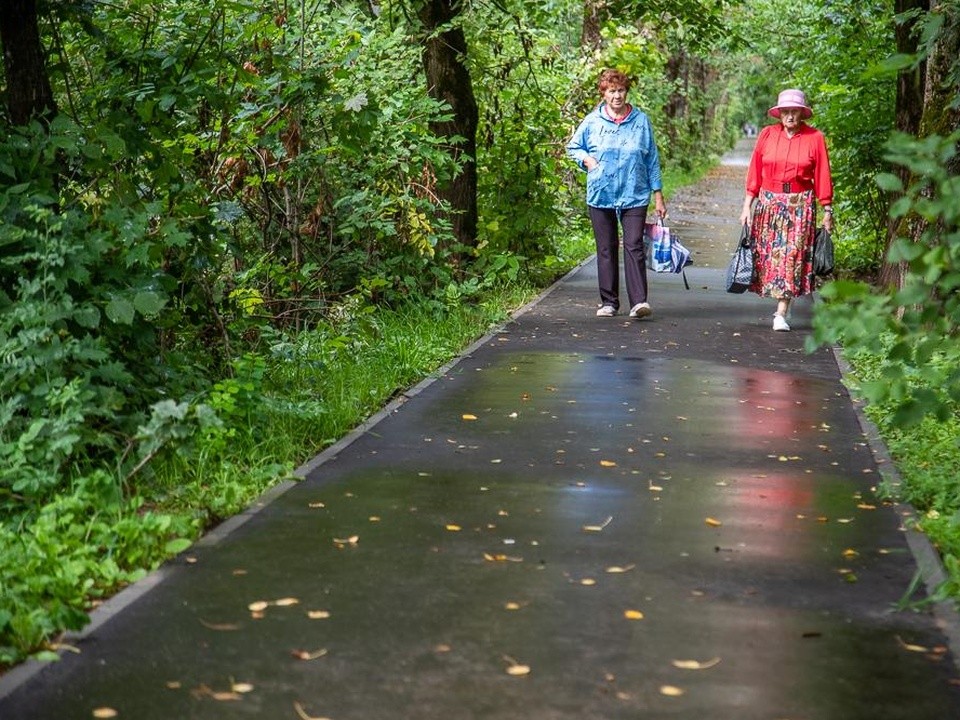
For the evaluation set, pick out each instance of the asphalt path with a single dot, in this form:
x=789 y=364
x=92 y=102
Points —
x=580 y=518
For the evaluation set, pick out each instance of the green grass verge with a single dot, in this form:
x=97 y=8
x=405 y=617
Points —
x=926 y=458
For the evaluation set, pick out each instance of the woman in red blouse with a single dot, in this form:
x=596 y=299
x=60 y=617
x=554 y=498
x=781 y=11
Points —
x=789 y=168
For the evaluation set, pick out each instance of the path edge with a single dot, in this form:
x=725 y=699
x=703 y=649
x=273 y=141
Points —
x=926 y=556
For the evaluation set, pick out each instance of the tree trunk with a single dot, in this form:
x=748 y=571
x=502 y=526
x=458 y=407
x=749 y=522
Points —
x=909 y=111
x=448 y=80
x=29 y=94
x=594 y=12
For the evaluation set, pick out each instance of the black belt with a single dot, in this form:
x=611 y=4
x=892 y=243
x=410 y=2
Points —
x=788 y=187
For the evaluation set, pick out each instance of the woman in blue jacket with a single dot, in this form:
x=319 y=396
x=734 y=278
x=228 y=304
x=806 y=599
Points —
x=615 y=145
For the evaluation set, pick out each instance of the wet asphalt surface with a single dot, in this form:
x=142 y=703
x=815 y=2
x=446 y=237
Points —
x=583 y=518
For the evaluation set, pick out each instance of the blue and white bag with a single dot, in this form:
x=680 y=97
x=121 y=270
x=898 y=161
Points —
x=667 y=253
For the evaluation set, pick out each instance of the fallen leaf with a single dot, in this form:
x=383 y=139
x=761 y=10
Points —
x=588 y=581
x=850 y=553
x=598 y=528
x=618 y=569
x=303 y=713
x=316 y=505
x=512 y=606
x=671 y=691
x=453 y=528
x=105 y=712
x=695 y=664
x=654 y=488
x=910 y=647
x=442 y=648
x=308 y=655
x=633 y=615
x=318 y=614
x=500 y=557
x=219 y=626
x=286 y=602
x=468 y=416
x=608 y=463
x=174 y=684
x=241 y=687
x=258 y=606
x=712 y=522
x=352 y=540
x=65 y=648
x=515 y=668
x=225 y=695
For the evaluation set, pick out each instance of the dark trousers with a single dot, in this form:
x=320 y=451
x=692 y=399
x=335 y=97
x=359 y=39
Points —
x=605 y=228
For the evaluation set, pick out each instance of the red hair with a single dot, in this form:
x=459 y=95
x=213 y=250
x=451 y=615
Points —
x=613 y=78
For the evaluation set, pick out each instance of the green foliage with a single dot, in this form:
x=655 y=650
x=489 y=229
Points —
x=913 y=331
x=84 y=544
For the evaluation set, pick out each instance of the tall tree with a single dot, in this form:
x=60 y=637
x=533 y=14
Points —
x=909 y=107
x=927 y=95
x=28 y=92
x=448 y=80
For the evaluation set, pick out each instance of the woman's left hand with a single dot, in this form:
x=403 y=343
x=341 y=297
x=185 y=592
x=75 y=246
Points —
x=660 y=205
x=828 y=222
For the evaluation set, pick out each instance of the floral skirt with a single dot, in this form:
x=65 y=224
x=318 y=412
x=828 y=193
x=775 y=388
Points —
x=783 y=228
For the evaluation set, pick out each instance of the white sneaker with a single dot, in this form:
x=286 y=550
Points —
x=780 y=324
x=606 y=311
x=641 y=310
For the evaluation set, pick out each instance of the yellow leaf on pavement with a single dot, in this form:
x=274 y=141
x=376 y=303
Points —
x=696 y=664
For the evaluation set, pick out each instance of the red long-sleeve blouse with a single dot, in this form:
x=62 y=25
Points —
x=783 y=164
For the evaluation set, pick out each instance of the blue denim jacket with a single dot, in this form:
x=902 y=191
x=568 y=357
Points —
x=629 y=164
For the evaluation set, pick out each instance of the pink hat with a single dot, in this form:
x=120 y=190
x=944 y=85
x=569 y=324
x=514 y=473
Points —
x=791 y=99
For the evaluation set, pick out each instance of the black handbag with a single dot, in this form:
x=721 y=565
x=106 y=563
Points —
x=822 y=252
x=741 y=268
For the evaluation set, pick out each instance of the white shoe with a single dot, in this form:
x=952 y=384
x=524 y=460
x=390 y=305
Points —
x=641 y=310
x=780 y=324
x=606 y=311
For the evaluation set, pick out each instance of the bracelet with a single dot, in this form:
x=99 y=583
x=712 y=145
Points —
x=828 y=210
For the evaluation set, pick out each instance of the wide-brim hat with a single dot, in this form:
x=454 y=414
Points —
x=791 y=99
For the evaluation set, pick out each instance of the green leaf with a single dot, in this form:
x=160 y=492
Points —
x=88 y=317
x=177 y=546
x=889 y=182
x=120 y=311
x=148 y=303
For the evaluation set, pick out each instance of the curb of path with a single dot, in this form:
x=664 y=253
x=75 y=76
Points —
x=103 y=613
x=929 y=565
